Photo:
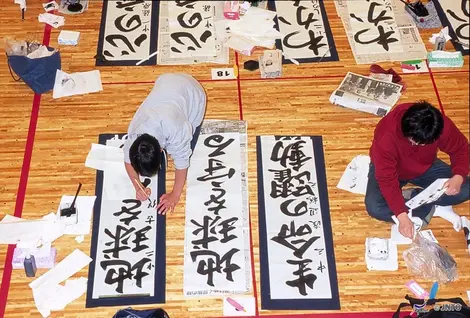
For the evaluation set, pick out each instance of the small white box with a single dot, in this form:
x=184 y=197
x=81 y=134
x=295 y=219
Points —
x=68 y=37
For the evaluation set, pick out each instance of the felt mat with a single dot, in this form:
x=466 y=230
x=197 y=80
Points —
x=297 y=263
x=308 y=34
x=128 y=240
x=128 y=33
x=455 y=15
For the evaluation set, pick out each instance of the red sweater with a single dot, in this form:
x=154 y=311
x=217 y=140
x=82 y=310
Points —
x=396 y=159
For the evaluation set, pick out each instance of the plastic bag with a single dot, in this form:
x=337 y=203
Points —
x=428 y=260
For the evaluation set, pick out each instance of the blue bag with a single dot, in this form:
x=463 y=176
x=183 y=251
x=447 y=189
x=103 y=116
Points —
x=131 y=313
x=38 y=74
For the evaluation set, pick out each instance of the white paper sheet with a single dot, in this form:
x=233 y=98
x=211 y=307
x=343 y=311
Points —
x=72 y=290
x=29 y=233
x=355 y=177
x=48 y=284
x=468 y=295
x=84 y=205
x=103 y=157
x=76 y=83
x=388 y=264
x=428 y=195
x=248 y=303
x=53 y=20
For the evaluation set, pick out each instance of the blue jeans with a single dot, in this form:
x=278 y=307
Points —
x=378 y=208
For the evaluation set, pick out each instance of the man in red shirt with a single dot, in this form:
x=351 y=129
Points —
x=404 y=150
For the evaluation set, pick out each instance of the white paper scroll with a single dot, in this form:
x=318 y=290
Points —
x=296 y=243
x=127 y=30
x=216 y=260
x=125 y=258
x=304 y=38
x=374 y=27
x=457 y=12
x=377 y=38
x=192 y=28
x=166 y=54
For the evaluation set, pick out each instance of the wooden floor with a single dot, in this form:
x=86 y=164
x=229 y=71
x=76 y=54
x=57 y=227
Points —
x=44 y=149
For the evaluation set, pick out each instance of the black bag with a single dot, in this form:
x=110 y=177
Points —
x=456 y=309
x=131 y=313
x=38 y=74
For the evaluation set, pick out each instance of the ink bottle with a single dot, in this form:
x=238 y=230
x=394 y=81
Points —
x=30 y=265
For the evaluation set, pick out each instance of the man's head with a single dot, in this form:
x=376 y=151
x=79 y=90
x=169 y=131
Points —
x=422 y=123
x=145 y=155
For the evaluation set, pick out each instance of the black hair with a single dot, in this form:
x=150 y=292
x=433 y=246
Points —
x=422 y=122
x=145 y=155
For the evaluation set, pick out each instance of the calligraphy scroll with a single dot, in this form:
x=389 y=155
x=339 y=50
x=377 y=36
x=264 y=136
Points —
x=217 y=251
x=298 y=268
x=128 y=240
x=128 y=32
x=187 y=33
x=378 y=31
x=192 y=30
x=307 y=36
x=456 y=15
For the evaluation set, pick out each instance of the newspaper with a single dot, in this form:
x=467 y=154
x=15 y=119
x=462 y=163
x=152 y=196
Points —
x=366 y=94
x=412 y=45
x=164 y=52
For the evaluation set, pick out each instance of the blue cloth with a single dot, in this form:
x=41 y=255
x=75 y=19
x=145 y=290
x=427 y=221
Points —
x=131 y=313
x=38 y=74
x=378 y=208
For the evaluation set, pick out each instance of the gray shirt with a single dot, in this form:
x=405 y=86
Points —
x=170 y=113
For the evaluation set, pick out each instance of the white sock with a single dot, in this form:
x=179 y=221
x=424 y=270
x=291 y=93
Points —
x=447 y=213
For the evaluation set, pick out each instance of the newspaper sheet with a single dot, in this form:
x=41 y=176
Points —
x=366 y=94
x=165 y=57
x=411 y=44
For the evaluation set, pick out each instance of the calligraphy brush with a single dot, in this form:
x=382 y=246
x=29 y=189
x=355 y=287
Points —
x=142 y=188
x=329 y=48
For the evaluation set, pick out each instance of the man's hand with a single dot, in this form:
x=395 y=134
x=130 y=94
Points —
x=167 y=203
x=453 y=185
x=406 y=226
x=142 y=193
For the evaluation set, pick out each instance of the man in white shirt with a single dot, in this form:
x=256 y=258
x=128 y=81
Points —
x=170 y=118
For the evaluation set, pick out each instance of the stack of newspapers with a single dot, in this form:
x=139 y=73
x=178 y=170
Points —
x=366 y=94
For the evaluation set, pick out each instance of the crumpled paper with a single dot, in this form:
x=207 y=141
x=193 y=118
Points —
x=444 y=32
